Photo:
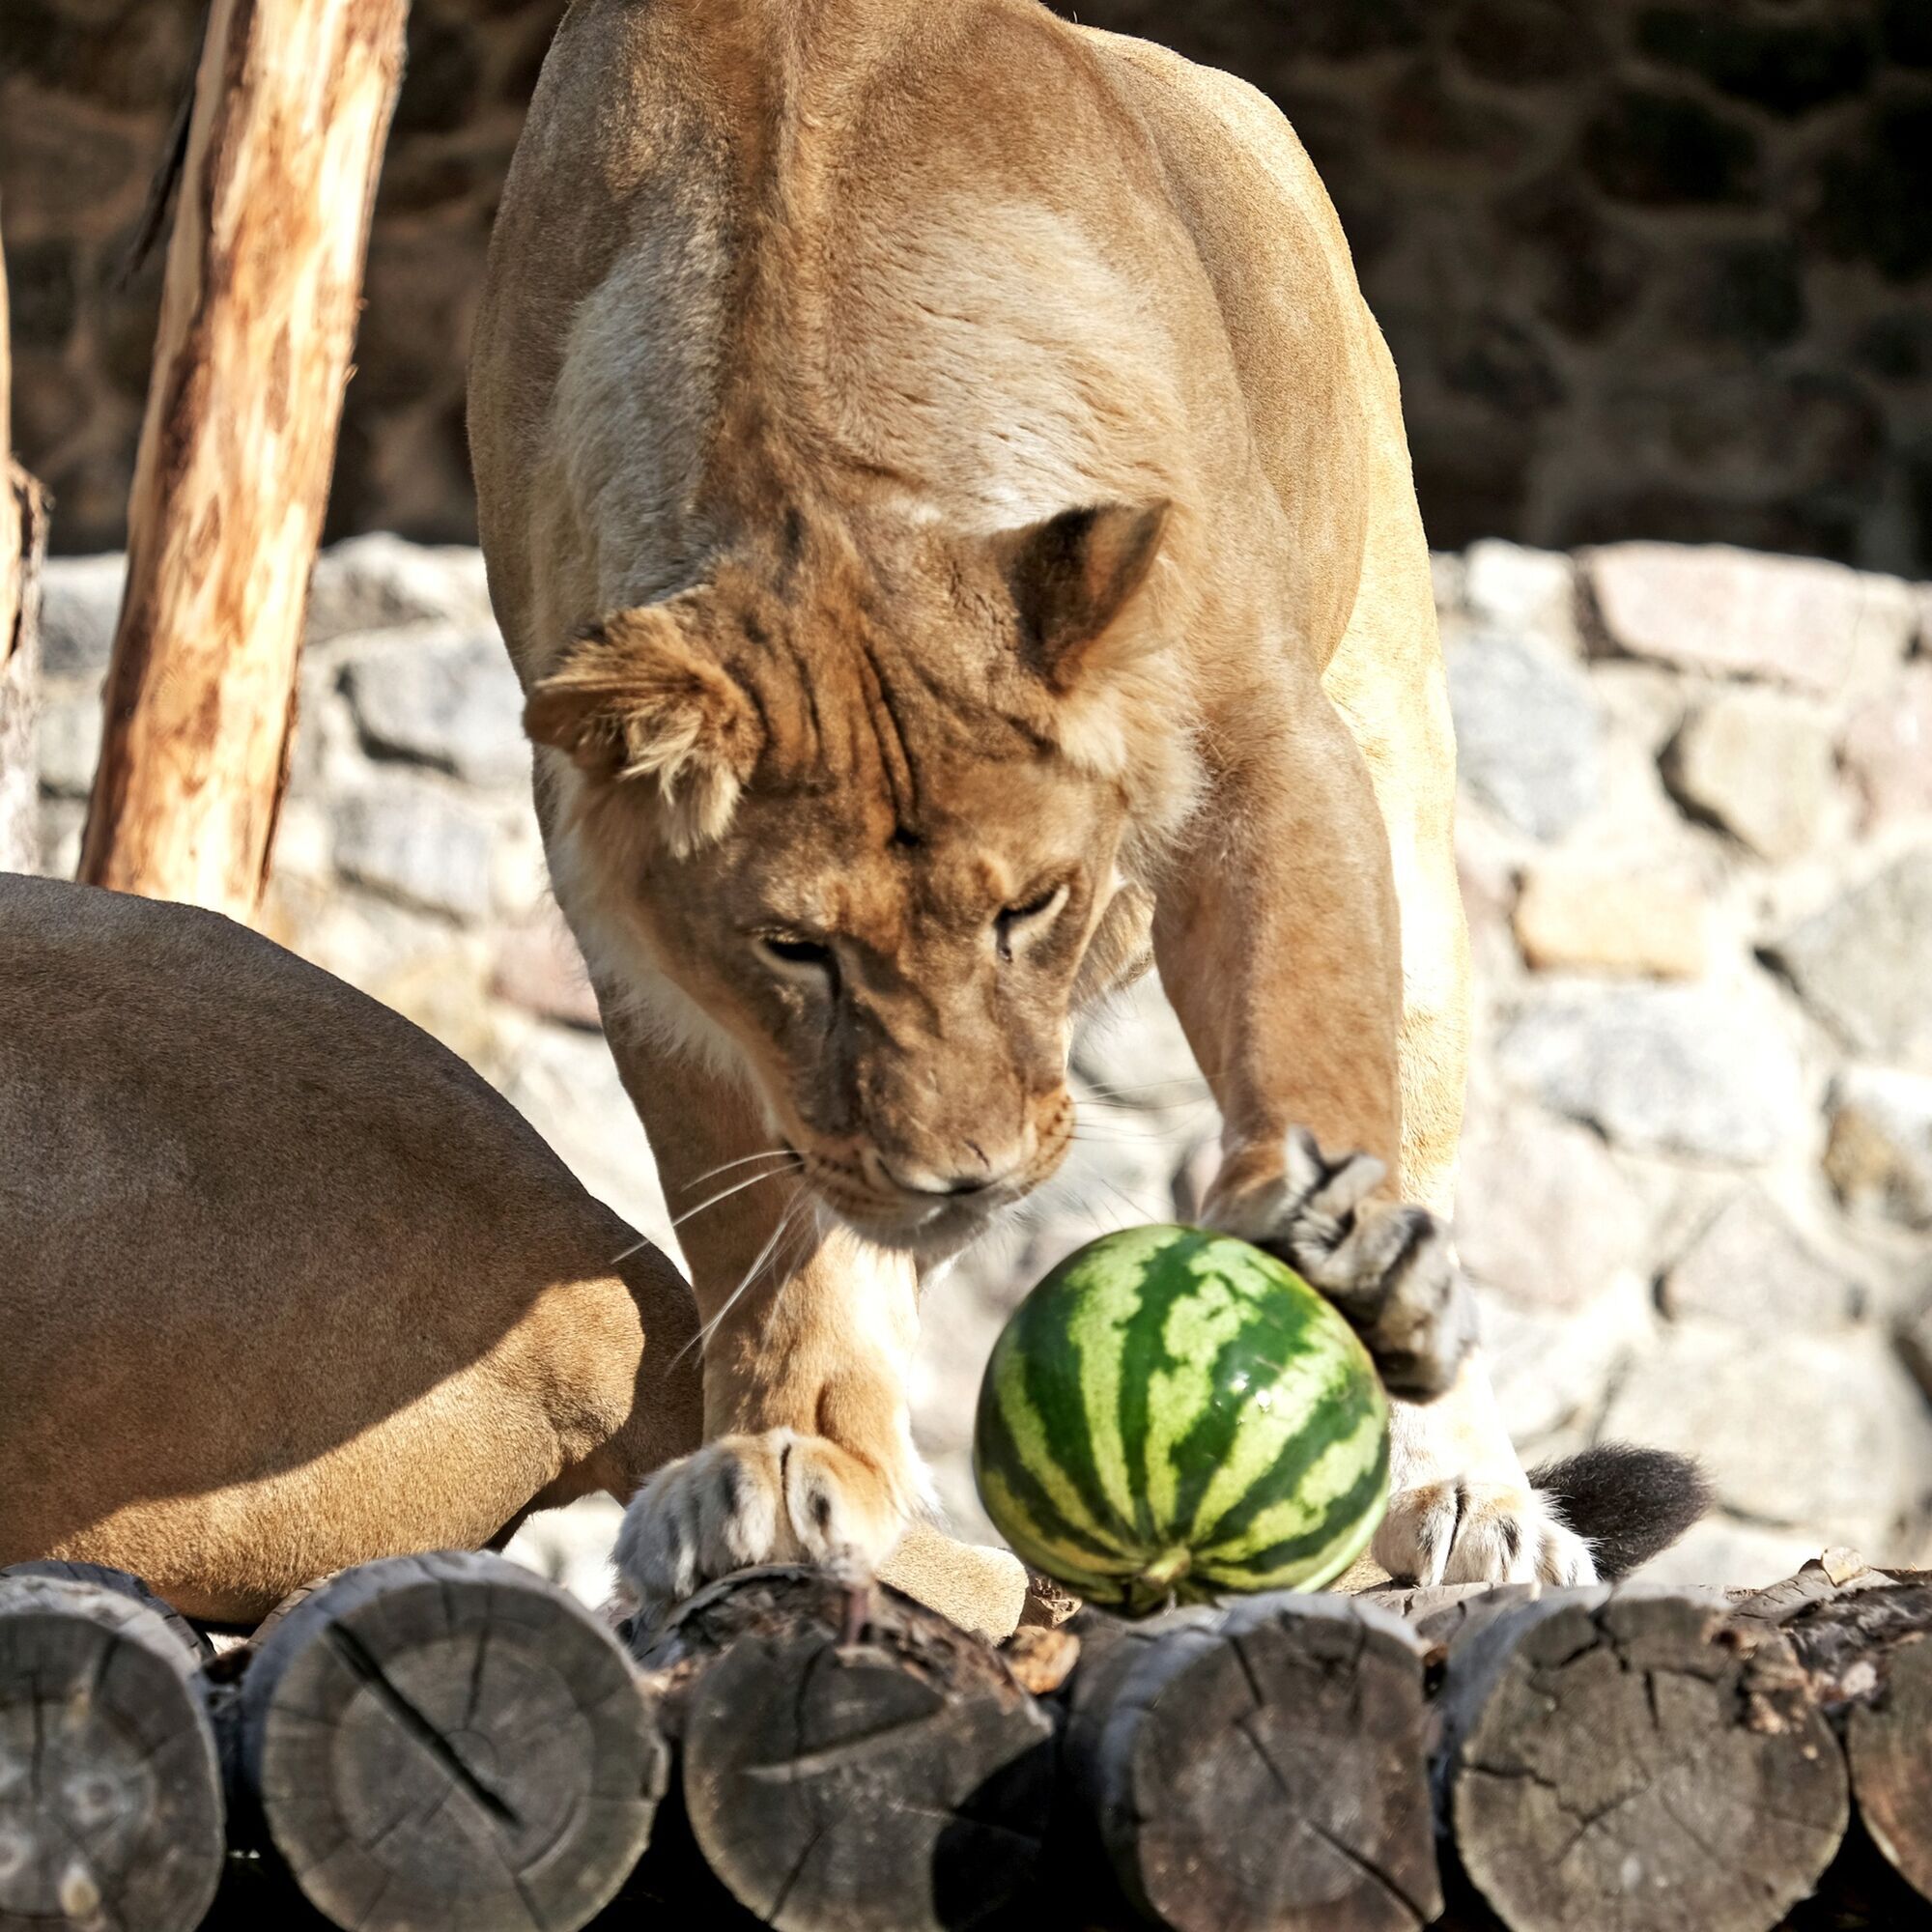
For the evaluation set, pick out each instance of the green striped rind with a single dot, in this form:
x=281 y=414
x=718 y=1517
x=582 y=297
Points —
x=1173 y=1413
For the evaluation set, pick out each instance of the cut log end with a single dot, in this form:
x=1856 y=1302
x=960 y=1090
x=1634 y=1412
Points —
x=446 y=1742
x=110 y=1793
x=1616 y=1762
x=1888 y=1742
x=853 y=1761
x=1302 y=1720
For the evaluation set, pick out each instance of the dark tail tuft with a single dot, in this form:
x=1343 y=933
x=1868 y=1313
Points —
x=1631 y=1503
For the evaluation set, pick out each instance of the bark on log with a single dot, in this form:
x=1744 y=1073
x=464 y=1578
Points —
x=448 y=1741
x=1261 y=1768
x=852 y=1761
x=258 y=311
x=23 y=542
x=1620 y=1761
x=110 y=1793
x=1858 y=1637
x=191 y=1641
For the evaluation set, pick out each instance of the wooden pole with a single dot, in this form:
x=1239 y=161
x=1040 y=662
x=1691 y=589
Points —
x=23 y=537
x=291 y=105
x=447 y=1741
x=111 y=1814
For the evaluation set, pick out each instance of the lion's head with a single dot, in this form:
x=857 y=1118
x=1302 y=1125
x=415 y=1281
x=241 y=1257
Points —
x=865 y=816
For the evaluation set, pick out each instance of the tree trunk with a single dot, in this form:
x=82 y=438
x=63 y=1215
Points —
x=111 y=1815
x=448 y=1741
x=23 y=539
x=258 y=313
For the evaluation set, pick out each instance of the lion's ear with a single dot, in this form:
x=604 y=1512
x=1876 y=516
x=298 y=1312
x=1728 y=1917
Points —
x=1073 y=577
x=637 y=697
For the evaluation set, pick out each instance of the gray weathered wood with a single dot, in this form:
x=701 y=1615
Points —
x=448 y=1741
x=1859 y=1636
x=1888 y=1742
x=852 y=1762
x=192 y=1640
x=1261 y=1768
x=110 y=1794
x=1630 y=1761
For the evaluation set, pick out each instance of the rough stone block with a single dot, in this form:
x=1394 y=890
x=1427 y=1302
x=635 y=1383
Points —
x=1915 y=1344
x=1879 y=1156
x=1633 y=924
x=1551 y=1369
x=1516 y=590
x=1660 y=1070
x=1747 y=1266
x=375 y=583
x=1864 y=963
x=1543 y=1217
x=538 y=967
x=1529 y=730
x=443 y=695
x=1888 y=750
x=1797 y=1429
x=69 y=740
x=1707 y=607
x=1759 y=764
x=81 y=601
x=419 y=844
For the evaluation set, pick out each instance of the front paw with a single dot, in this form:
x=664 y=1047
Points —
x=1387 y=1267
x=1465 y=1531
x=778 y=1498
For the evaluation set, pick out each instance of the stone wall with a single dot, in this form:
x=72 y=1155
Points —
x=1649 y=267
x=1696 y=847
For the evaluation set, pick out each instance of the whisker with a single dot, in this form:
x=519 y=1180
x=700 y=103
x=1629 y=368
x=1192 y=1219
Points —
x=736 y=1187
x=1107 y=1091
x=710 y=1172
x=752 y=1273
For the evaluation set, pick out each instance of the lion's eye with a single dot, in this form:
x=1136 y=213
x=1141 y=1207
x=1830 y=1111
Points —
x=1019 y=923
x=795 y=958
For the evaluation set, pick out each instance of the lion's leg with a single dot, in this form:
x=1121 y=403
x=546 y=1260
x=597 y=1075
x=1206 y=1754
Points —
x=1462 y=1510
x=806 y=1333
x=1280 y=942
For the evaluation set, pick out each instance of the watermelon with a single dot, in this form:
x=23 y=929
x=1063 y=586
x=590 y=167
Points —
x=1174 y=1415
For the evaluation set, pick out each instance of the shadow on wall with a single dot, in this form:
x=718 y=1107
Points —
x=1647 y=269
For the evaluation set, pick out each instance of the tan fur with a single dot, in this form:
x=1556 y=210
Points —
x=809 y=324
x=283 y=1285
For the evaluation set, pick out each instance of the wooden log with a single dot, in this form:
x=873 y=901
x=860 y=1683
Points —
x=110 y=1793
x=259 y=305
x=448 y=1741
x=23 y=542
x=195 y=1643
x=1859 y=1637
x=852 y=1760
x=1261 y=1768
x=1621 y=1761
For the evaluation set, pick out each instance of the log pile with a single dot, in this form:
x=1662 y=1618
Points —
x=448 y=1742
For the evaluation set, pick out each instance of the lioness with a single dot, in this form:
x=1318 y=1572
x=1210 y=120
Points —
x=949 y=507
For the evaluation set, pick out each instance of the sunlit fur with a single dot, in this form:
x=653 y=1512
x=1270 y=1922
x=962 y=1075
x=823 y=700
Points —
x=812 y=745
x=800 y=314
